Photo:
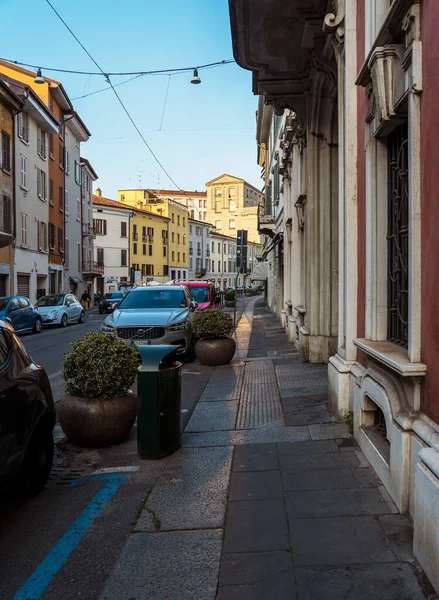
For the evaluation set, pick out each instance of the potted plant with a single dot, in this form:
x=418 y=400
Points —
x=212 y=328
x=229 y=297
x=99 y=407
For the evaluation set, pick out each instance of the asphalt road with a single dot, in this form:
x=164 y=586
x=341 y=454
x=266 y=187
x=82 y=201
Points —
x=64 y=542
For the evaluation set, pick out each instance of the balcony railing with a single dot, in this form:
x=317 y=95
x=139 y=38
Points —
x=135 y=236
x=165 y=241
x=207 y=252
x=198 y=251
x=191 y=251
x=91 y=267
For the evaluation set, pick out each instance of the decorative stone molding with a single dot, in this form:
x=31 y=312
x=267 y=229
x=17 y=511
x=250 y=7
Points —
x=387 y=74
x=334 y=22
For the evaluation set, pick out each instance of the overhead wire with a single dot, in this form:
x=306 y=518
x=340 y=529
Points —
x=108 y=80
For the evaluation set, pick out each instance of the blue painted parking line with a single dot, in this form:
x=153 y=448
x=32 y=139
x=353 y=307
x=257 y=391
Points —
x=35 y=586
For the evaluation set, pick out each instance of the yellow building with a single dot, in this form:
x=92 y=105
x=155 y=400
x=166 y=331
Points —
x=149 y=247
x=232 y=204
x=177 y=214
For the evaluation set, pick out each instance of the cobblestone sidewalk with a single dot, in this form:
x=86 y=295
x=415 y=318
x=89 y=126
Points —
x=269 y=497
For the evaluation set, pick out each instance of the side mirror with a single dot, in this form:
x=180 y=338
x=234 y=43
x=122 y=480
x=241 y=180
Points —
x=193 y=306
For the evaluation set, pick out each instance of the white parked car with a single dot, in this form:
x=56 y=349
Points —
x=60 y=309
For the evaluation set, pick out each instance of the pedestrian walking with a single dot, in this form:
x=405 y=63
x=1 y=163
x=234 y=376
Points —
x=85 y=300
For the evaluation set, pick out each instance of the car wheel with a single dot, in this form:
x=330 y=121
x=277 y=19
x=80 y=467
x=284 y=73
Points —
x=37 y=463
x=81 y=317
x=64 y=320
x=38 y=325
x=189 y=355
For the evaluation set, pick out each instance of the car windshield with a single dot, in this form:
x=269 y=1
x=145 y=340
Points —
x=55 y=300
x=3 y=303
x=113 y=296
x=200 y=294
x=154 y=299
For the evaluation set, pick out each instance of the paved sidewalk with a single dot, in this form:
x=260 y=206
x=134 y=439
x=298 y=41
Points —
x=269 y=498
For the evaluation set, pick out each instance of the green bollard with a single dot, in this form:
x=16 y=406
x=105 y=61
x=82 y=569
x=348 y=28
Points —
x=159 y=391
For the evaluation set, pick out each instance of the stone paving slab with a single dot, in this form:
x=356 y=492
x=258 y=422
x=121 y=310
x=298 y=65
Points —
x=285 y=448
x=260 y=392
x=213 y=416
x=256 y=576
x=256 y=526
x=350 y=502
x=191 y=493
x=297 y=402
x=329 y=431
x=159 y=566
x=258 y=365
x=371 y=582
x=233 y=380
x=339 y=541
x=262 y=435
x=256 y=485
x=308 y=416
x=220 y=393
x=266 y=376
x=255 y=457
x=302 y=392
x=318 y=480
x=291 y=382
x=254 y=414
x=319 y=462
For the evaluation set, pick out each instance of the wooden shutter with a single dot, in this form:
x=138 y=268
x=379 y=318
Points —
x=7 y=221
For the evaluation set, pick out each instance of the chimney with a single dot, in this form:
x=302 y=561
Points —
x=98 y=192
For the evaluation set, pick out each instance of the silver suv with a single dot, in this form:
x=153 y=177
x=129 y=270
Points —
x=159 y=315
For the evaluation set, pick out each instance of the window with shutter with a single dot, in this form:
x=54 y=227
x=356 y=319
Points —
x=39 y=183
x=66 y=201
x=61 y=239
x=6 y=152
x=61 y=156
x=7 y=215
x=123 y=258
x=51 y=145
x=23 y=171
x=78 y=212
x=51 y=200
x=61 y=199
x=23 y=229
x=123 y=229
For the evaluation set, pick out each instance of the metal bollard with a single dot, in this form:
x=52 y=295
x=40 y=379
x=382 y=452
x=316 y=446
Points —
x=159 y=391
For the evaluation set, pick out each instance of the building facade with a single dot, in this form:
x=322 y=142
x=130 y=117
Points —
x=178 y=243
x=233 y=204
x=194 y=201
x=199 y=249
x=223 y=268
x=90 y=268
x=75 y=133
x=111 y=228
x=346 y=119
x=149 y=246
x=9 y=104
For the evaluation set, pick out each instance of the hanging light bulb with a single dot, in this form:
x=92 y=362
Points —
x=195 y=79
x=39 y=78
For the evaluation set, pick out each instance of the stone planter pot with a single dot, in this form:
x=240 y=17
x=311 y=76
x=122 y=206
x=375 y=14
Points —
x=215 y=352
x=92 y=422
x=230 y=303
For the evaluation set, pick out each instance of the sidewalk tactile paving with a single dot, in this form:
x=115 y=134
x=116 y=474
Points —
x=265 y=376
x=292 y=382
x=260 y=392
x=256 y=414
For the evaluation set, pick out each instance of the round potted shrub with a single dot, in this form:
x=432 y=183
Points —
x=99 y=407
x=229 y=297
x=212 y=328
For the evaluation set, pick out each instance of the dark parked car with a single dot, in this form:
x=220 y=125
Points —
x=21 y=313
x=110 y=301
x=27 y=417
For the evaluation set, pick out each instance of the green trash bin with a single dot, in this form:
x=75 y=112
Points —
x=159 y=391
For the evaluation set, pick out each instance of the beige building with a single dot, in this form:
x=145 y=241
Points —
x=177 y=233
x=232 y=204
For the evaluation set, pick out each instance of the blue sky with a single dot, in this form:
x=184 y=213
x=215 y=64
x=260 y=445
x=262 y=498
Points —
x=207 y=129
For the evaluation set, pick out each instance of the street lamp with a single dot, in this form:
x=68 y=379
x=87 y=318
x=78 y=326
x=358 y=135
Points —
x=39 y=78
x=195 y=79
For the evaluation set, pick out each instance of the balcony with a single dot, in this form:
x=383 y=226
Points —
x=88 y=231
x=92 y=268
x=266 y=224
x=165 y=241
x=144 y=238
x=198 y=251
x=6 y=238
x=207 y=252
x=191 y=251
x=135 y=236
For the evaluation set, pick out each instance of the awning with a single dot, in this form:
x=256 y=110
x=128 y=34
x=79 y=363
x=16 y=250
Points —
x=260 y=272
x=76 y=279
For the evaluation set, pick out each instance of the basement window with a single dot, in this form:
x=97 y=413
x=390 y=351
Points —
x=375 y=428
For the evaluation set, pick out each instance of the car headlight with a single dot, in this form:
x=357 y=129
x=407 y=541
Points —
x=107 y=328
x=114 y=305
x=178 y=327
x=54 y=313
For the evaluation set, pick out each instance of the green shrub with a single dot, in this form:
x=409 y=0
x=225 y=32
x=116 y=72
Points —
x=230 y=296
x=100 y=366
x=212 y=323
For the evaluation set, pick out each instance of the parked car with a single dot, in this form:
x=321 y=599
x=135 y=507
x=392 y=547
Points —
x=155 y=315
x=202 y=292
x=110 y=301
x=60 y=309
x=27 y=417
x=21 y=313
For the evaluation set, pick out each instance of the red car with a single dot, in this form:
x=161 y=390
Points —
x=202 y=292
